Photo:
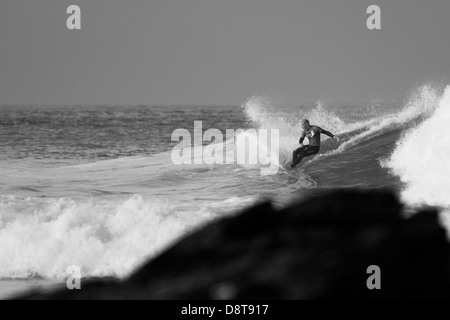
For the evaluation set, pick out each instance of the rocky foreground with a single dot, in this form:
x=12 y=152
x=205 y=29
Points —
x=318 y=249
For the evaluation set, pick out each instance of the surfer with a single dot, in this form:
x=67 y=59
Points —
x=313 y=134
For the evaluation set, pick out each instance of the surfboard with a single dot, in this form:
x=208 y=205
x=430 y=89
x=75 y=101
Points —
x=285 y=169
x=291 y=175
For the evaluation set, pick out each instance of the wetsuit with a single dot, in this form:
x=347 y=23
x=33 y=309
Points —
x=313 y=135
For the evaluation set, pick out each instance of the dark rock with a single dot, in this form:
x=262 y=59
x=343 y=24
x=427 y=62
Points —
x=318 y=249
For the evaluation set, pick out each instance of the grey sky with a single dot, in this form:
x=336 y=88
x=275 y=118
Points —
x=219 y=51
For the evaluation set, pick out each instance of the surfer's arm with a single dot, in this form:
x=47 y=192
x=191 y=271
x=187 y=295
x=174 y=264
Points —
x=302 y=137
x=328 y=133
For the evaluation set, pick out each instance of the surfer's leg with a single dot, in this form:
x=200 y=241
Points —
x=296 y=153
x=305 y=152
x=312 y=150
x=298 y=156
x=296 y=162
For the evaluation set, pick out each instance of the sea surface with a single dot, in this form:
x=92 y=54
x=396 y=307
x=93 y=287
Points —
x=96 y=186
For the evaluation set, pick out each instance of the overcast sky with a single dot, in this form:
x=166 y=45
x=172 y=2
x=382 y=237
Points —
x=219 y=51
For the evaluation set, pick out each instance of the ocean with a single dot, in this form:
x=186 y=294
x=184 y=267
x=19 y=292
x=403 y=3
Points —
x=96 y=187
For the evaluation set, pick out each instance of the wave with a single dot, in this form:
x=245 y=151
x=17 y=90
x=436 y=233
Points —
x=110 y=216
x=421 y=158
x=263 y=114
x=420 y=105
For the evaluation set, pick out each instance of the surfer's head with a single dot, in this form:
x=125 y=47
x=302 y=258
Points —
x=305 y=124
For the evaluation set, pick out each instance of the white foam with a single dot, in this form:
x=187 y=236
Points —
x=422 y=158
x=105 y=237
